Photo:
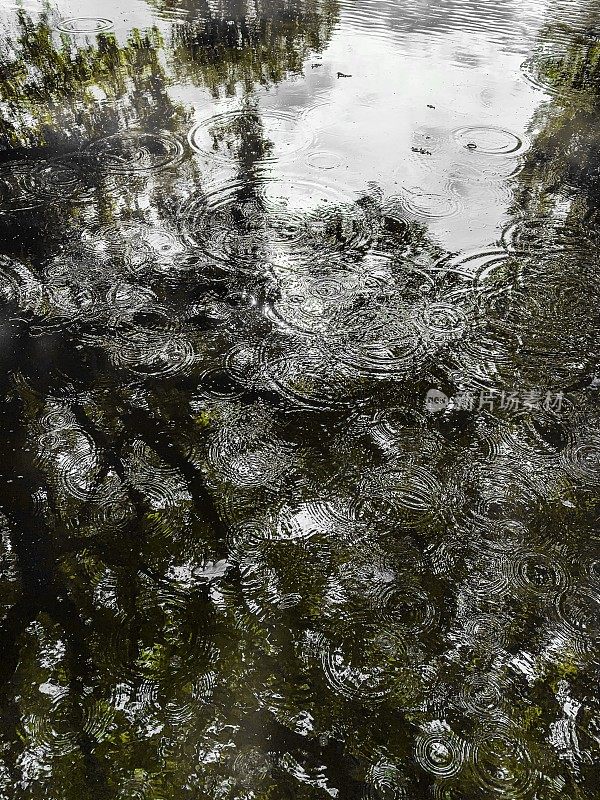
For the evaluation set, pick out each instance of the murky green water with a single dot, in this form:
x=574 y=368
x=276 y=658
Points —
x=300 y=457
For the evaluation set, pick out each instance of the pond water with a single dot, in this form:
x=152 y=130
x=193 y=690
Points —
x=300 y=474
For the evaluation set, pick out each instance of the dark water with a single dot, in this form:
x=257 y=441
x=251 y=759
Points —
x=300 y=459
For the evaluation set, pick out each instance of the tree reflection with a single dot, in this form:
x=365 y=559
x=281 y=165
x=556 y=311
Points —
x=49 y=86
x=234 y=47
x=52 y=83
x=240 y=560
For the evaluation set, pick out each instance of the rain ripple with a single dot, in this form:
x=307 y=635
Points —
x=134 y=151
x=266 y=134
x=364 y=682
x=25 y=186
x=581 y=458
x=501 y=764
x=440 y=752
x=150 y=353
x=67 y=453
x=84 y=25
x=490 y=141
x=423 y=205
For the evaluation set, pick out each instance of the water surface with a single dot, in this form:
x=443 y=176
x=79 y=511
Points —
x=300 y=436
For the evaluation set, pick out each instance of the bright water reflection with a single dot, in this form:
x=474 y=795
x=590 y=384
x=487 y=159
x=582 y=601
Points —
x=301 y=442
